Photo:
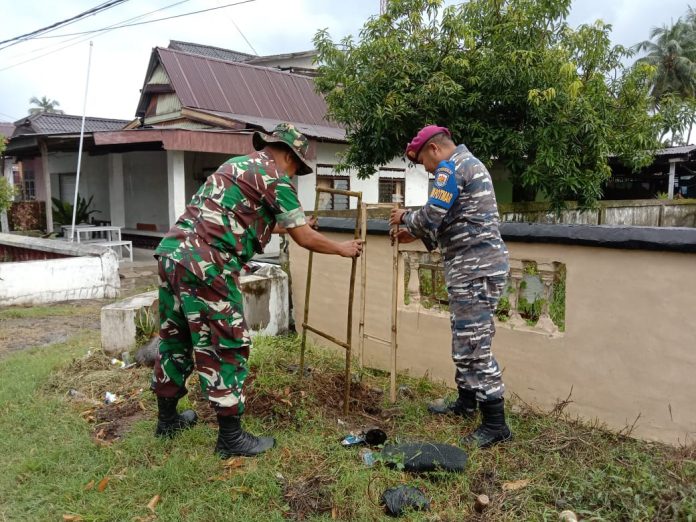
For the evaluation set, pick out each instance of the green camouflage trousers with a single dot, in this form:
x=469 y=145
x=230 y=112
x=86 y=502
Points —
x=472 y=307
x=204 y=327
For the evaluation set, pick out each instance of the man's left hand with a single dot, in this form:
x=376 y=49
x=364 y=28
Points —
x=396 y=216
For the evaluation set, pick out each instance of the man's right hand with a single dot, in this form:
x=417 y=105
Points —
x=351 y=248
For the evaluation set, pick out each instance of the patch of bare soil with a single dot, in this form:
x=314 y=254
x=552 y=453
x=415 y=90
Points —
x=308 y=495
x=323 y=390
x=86 y=381
x=28 y=332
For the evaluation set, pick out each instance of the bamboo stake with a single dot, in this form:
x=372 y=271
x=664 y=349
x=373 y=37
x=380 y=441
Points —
x=305 y=316
x=363 y=285
x=394 y=315
x=349 y=332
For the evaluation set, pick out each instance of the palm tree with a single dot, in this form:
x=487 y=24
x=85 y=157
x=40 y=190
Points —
x=672 y=51
x=44 y=105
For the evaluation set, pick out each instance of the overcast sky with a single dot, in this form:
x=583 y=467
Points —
x=120 y=57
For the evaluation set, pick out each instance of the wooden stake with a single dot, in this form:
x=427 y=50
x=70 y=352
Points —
x=363 y=285
x=351 y=295
x=482 y=502
x=394 y=315
x=305 y=316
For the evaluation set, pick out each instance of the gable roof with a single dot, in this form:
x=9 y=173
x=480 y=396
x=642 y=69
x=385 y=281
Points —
x=53 y=123
x=210 y=52
x=244 y=92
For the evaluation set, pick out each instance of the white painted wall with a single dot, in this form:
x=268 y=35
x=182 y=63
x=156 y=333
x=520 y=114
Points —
x=55 y=280
x=416 y=186
x=94 y=179
x=145 y=189
x=327 y=154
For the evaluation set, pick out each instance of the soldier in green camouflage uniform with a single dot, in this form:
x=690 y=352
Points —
x=228 y=221
x=461 y=217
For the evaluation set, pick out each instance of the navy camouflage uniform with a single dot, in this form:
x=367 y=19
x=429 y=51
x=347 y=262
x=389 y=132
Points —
x=461 y=217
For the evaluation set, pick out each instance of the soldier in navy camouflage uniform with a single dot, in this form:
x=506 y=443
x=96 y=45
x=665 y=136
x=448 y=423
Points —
x=229 y=219
x=461 y=218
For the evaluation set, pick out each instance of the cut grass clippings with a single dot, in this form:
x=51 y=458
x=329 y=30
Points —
x=66 y=454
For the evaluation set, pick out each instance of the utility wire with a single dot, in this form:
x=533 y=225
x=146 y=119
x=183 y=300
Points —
x=105 y=30
x=155 y=20
x=112 y=28
x=94 y=10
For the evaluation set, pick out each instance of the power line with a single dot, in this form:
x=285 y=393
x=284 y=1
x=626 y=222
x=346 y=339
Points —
x=155 y=20
x=113 y=28
x=106 y=30
x=94 y=10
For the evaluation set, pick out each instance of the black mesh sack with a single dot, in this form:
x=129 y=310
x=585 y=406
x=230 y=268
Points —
x=425 y=456
x=399 y=499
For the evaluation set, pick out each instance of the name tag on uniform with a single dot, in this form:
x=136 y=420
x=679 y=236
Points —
x=445 y=189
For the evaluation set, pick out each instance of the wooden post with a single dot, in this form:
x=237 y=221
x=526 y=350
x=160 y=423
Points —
x=47 y=185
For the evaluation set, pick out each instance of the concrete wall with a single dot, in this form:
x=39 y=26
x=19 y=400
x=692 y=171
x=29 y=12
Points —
x=94 y=178
x=266 y=310
x=90 y=273
x=628 y=347
x=647 y=213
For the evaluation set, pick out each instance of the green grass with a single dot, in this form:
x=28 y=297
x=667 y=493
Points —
x=39 y=311
x=49 y=458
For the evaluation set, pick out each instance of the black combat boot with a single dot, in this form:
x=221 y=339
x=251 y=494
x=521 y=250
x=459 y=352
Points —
x=464 y=406
x=233 y=440
x=169 y=422
x=493 y=428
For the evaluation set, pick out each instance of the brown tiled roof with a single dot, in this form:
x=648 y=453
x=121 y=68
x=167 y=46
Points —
x=241 y=89
x=52 y=123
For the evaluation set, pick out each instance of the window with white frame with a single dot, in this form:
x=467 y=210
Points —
x=328 y=178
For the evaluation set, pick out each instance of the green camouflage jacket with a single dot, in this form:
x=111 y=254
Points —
x=231 y=218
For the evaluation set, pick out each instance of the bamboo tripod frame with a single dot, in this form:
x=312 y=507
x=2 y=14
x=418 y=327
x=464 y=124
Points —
x=362 y=335
x=348 y=343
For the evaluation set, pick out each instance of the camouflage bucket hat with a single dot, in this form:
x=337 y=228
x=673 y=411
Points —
x=287 y=134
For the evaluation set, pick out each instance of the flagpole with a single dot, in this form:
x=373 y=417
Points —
x=79 y=153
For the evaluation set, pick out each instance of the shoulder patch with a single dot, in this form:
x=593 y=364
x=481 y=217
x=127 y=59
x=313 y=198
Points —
x=445 y=189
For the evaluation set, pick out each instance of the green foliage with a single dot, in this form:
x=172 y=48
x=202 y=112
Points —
x=557 y=306
x=502 y=311
x=671 y=50
x=598 y=474
x=509 y=78
x=7 y=191
x=146 y=325
x=44 y=104
x=63 y=211
x=7 y=194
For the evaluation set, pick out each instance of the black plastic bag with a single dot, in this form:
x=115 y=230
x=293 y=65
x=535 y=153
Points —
x=399 y=499
x=425 y=456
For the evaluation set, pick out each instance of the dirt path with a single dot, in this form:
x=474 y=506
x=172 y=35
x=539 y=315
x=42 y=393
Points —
x=22 y=327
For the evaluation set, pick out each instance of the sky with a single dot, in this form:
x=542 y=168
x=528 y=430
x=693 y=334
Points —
x=57 y=67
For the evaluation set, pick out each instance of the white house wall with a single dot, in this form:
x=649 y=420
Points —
x=416 y=185
x=145 y=189
x=94 y=179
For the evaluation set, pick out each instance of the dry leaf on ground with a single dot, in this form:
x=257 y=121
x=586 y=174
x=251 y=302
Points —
x=102 y=484
x=153 y=503
x=515 y=485
x=72 y=518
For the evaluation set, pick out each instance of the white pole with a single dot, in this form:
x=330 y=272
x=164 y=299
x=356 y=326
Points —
x=79 y=152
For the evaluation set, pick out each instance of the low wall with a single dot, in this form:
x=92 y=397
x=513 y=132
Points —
x=70 y=272
x=647 y=213
x=266 y=310
x=628 y=344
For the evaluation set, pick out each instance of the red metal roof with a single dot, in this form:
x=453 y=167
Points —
x=241 y=89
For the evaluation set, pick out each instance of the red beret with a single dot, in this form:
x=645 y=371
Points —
x=413 y=148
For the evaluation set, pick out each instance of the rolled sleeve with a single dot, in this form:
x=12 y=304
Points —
x=286 y=206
